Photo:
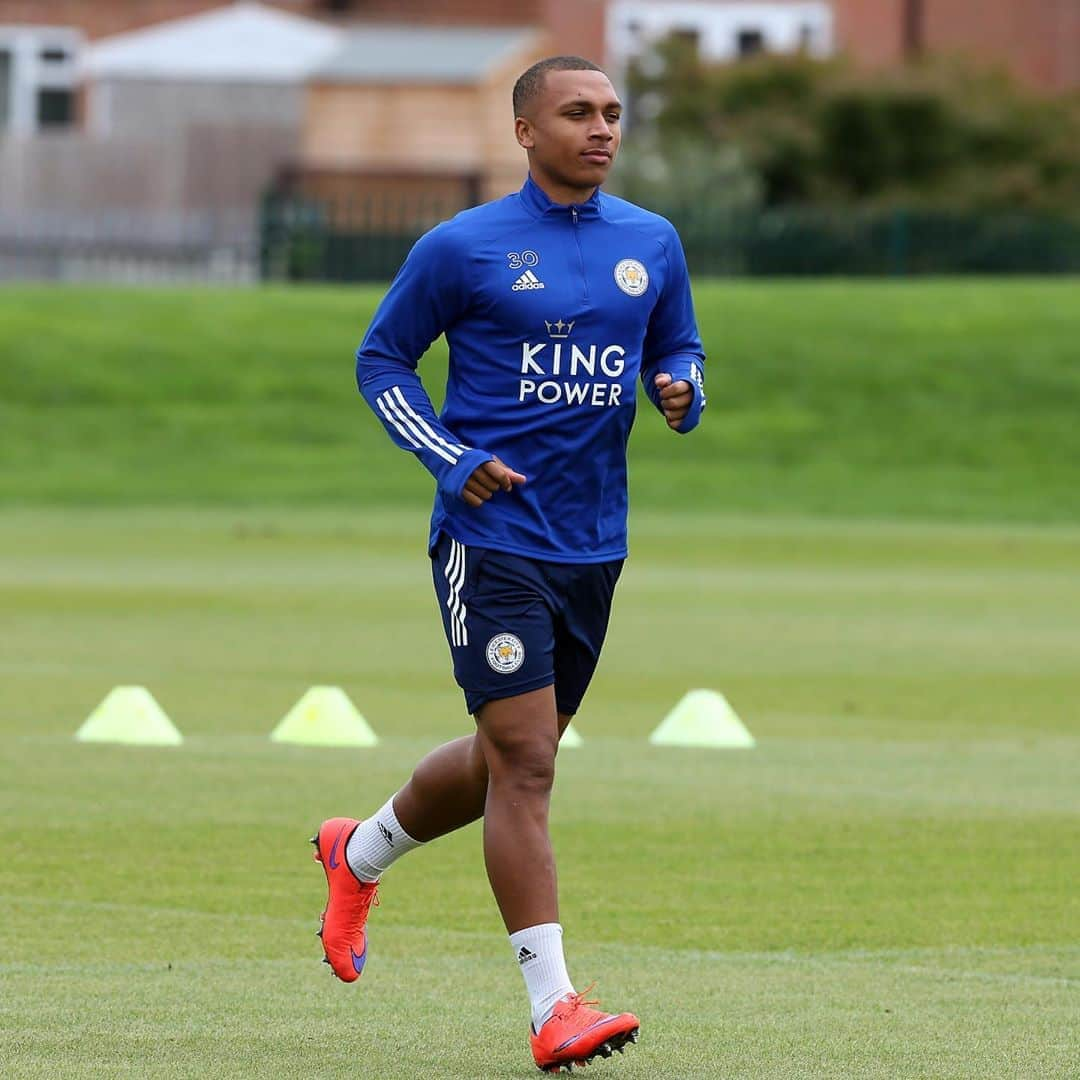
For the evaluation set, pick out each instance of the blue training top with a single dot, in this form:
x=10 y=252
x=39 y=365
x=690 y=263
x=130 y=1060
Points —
x=551 y=312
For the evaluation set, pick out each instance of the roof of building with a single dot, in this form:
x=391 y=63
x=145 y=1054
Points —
x=244 y=42
x=432 y=54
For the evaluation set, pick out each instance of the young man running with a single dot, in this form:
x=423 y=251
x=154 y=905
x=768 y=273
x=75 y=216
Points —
x=553 y=301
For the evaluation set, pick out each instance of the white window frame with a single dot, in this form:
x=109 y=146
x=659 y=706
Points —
x=633 y=24
x=30 y=74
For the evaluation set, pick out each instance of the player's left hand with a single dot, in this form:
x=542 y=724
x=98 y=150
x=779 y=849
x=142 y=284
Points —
x=675 y=399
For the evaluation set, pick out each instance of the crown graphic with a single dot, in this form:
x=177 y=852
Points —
x=559 y=329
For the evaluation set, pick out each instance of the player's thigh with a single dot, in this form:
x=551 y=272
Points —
x=521 y=730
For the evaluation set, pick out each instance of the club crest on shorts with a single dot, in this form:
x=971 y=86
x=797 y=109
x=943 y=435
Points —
x=631 y=277
x=505 y=653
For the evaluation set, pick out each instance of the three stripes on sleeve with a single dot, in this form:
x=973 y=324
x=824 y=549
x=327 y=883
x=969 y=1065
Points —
x=413 y=428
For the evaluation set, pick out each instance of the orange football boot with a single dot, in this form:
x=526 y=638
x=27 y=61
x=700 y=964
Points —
x=575 y=1033
x=347 y=904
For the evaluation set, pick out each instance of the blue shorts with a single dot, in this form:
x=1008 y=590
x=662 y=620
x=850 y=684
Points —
x=516 y=624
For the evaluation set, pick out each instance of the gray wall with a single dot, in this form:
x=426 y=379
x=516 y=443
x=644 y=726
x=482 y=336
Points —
x=165 y=180
x=138 y=108
x=205 y=169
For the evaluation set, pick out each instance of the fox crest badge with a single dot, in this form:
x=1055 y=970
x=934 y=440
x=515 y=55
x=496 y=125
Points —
x=505 y=653
x=631 y=277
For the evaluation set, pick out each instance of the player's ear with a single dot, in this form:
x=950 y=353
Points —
x=523 y=131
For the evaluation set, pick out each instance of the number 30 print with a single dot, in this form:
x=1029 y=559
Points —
x=523 y=258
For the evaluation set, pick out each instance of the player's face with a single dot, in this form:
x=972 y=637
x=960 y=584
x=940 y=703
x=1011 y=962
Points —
x=572 y=133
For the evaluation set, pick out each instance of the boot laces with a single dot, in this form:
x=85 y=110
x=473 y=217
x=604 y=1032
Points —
x=579 y=1001
x=367 y=899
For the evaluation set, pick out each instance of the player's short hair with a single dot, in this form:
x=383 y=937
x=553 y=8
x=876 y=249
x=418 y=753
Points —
x=531 y=82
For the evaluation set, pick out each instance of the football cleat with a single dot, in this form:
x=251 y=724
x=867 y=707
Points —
x=575 y=1033
x=348 y=901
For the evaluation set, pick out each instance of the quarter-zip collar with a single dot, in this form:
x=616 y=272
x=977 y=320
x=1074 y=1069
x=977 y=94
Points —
x=536 y=201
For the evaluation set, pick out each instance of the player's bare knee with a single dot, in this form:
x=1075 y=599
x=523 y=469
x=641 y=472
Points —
x=521 y=756
x=529 y=769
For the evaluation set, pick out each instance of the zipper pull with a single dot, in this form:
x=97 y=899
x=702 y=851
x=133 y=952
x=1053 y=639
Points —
x=573 y=213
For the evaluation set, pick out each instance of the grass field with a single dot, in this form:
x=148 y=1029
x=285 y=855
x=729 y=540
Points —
x=885 y=887
x=942 y=399
x=872 y=547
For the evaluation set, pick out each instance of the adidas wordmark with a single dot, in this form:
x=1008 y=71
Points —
x=528 y=280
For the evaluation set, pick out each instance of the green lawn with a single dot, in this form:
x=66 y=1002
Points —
x=871 y=547
x=931 y=399
x=885 y=887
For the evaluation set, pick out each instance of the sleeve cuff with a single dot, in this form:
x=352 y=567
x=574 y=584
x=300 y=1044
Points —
x=452 y=482
x=684 y=369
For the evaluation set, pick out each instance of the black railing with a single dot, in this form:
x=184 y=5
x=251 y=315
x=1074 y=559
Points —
x=362 y=240
x=877 y=243
x=312 y=241
x=298 y=240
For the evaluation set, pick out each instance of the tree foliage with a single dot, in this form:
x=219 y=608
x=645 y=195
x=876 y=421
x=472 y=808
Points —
x=939 y=134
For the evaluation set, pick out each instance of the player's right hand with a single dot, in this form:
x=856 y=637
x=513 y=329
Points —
x=490 y=477
x=675 y=399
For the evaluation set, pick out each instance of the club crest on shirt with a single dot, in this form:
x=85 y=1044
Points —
x=505 y=653
x=631 y=277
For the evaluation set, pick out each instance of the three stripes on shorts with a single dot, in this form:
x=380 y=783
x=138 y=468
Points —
x=454 y=572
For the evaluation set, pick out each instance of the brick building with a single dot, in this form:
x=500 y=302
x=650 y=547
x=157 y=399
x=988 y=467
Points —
x=1037 y=40
x=41 y=43
x=578 y=25
x=103 y=18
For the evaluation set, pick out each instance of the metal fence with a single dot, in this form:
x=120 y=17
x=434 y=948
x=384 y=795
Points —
x=301 y=240
x=131 y=248
x=365 y=239
x=864 y=243
x=312 y=241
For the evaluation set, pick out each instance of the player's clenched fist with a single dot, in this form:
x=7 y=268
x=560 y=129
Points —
x=490 y=477
x=675 y=399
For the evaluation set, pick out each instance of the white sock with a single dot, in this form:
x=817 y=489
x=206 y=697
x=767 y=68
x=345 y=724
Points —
x=377 y=843
x=539 y=951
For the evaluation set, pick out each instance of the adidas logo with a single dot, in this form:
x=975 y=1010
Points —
x=528 y=280
x=695 y=374
x=388 y=836
x=524 y=955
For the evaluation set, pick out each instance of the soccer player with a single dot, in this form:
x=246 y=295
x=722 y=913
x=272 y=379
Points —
x=553 y=300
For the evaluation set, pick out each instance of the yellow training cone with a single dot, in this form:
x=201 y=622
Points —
x=570 y=738
x=324 y=716
x=703 y=719
x=129 y=714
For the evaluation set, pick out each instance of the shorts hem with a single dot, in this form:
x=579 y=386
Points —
x=476 y=699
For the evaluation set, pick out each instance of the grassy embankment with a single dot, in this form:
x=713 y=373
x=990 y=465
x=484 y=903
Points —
x=954 y=400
